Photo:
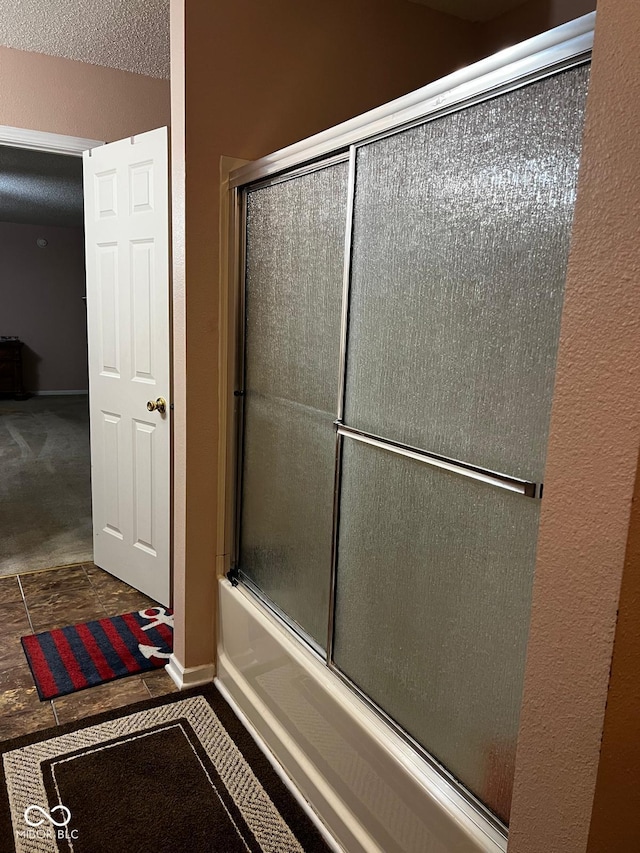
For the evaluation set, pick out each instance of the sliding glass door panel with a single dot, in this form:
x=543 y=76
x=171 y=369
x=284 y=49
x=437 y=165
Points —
x=433 y=596
x=460 y=243
x=294 y=270
x=287 y=508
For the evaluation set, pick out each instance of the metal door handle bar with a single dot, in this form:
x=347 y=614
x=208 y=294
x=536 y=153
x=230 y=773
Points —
x=483 y=475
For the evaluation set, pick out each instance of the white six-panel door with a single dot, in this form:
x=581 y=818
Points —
x=127 y=261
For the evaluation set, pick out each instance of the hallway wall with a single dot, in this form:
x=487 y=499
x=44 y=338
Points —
x=58 y=95
x=41 y=302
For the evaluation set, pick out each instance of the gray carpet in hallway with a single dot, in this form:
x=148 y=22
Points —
x=45 y=491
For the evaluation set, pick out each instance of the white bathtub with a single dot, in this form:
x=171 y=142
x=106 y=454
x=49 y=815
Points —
x=369 y=789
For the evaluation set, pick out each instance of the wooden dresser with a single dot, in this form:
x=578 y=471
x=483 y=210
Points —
x=11 y=368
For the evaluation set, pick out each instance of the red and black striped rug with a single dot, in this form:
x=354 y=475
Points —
x=69 y=659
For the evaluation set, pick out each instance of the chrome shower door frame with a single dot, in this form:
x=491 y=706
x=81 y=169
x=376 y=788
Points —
x=548 y=54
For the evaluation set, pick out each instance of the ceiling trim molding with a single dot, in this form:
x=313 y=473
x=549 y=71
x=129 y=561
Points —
x=38 y=140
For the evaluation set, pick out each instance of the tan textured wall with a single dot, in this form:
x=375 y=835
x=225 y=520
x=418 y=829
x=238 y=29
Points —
x=41 y=302
x=530 y=19
x=258 y=77
x=56 y=95
x=590 y=477
x=179 y=334
x=615 y=821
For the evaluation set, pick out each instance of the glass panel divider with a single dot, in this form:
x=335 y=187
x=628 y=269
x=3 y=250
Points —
x=342 y=384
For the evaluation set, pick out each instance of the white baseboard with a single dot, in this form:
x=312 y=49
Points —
x=57 y=393
x=192 y=676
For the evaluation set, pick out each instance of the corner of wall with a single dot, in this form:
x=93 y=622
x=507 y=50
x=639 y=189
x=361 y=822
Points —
x=527 y=20
x=615 y=818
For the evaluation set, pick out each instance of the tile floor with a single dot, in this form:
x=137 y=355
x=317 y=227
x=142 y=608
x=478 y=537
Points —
x=41 y=601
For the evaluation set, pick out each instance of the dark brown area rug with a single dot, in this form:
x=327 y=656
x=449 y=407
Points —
x=174 y=774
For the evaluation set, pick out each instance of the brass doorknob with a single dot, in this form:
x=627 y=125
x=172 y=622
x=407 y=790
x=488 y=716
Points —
x=159 y=405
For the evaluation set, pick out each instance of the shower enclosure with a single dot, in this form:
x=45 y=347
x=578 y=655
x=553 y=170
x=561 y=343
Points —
x=401 y=285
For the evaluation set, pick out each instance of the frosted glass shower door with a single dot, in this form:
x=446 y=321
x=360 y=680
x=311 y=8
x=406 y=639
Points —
x=295 y=236
x=402 y=313
x=460 y=244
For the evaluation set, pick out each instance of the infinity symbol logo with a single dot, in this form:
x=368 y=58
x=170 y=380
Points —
x=47 y=815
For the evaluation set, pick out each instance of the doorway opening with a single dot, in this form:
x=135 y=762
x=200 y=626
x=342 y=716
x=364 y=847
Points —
x=48 y=579
x=92 y=482
x=45 y=490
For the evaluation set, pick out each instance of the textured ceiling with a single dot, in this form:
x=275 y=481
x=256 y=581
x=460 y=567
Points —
x=134 y=34
x=39 y=188
x=129 y=34
x=472 y=10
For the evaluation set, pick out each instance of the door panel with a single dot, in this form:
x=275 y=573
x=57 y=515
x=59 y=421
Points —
x=127 y=258
x=460 y=247
x=432 y=608
x=295 y=244
x=287 y=509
